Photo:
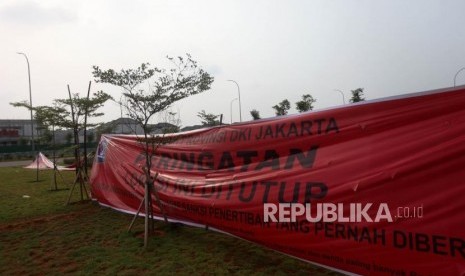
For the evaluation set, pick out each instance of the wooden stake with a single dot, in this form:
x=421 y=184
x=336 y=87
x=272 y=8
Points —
x=146 y=223
x=71 y=192
x=82 y=186
x=137 y=214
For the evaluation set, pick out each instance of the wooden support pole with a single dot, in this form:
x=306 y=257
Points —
x=146 y=223
x=71 y=192
x=137 y=214
x=80 y=183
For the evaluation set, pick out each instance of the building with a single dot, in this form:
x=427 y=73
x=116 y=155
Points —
x=130 y=126
x=17 y=132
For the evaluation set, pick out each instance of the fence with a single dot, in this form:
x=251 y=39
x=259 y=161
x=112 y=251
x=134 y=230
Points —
x=18 y=152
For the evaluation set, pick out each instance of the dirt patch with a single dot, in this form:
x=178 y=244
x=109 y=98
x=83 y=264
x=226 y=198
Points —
x=156 y=233
x=26 y=223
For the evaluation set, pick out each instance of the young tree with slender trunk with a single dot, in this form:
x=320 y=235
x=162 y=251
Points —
x=357 y=95
x=208 y=119
x=71 y=113
x=282 y=108
x=165 y=87
x=81 y=108
x=49 y=117
x=255 y=114
x=306 y=104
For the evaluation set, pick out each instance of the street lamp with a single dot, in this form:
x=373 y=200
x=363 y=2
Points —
x=239 y=93
x=342 y=93
x=121 y=110
x=30 y=103
x=231 y=107
x=455 y=77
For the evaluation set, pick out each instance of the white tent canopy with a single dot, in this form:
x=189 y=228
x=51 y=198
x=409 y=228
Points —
x=43 y=163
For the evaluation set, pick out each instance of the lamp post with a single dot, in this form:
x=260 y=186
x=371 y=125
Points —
x=342 y=93
x=121 y=110
x=239 y=93
x=32 y=123
x=231 y=107
x=455 y=77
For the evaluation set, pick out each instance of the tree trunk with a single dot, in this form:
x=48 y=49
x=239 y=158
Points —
x=146 y=226
x=85 y=133
x=54 y=160
x=75 y=134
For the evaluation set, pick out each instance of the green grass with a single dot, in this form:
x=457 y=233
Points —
x=40 y=235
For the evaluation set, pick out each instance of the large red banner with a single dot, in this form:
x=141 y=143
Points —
x=375 y=188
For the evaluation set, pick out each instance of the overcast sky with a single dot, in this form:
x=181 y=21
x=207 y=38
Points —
x=273 y=49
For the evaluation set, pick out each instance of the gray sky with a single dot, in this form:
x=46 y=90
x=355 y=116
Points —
x=273 y=49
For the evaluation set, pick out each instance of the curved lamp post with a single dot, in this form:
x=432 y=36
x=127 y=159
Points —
x=30 y=102
x=342 y=93
x=230 y=109
x=121 y=110
x=455 y=77
x=239 y=93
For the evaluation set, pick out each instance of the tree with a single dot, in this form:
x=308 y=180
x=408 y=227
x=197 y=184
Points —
x=104 y=128
x=172 y=122
x=43 y=135
x=47 y=136
x=80 y=109
x=255 y=114
x=51 y=117
x=305 y=104
x=182 y=80
x=68 y=137
x=208 y=119
x=90 y=137
x=46 y=116
x=282 y=108
x=357 y=95
x=74 y=118
x=22 y=141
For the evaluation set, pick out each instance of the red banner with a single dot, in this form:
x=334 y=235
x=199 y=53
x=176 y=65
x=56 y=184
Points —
x=375 y=188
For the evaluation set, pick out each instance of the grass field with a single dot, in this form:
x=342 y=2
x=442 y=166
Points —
x=40 y=235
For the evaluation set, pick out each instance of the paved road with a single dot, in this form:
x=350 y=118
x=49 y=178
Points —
x=22 y=163
x=15 y=163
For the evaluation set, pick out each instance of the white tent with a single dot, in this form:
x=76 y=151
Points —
x=43 y=163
